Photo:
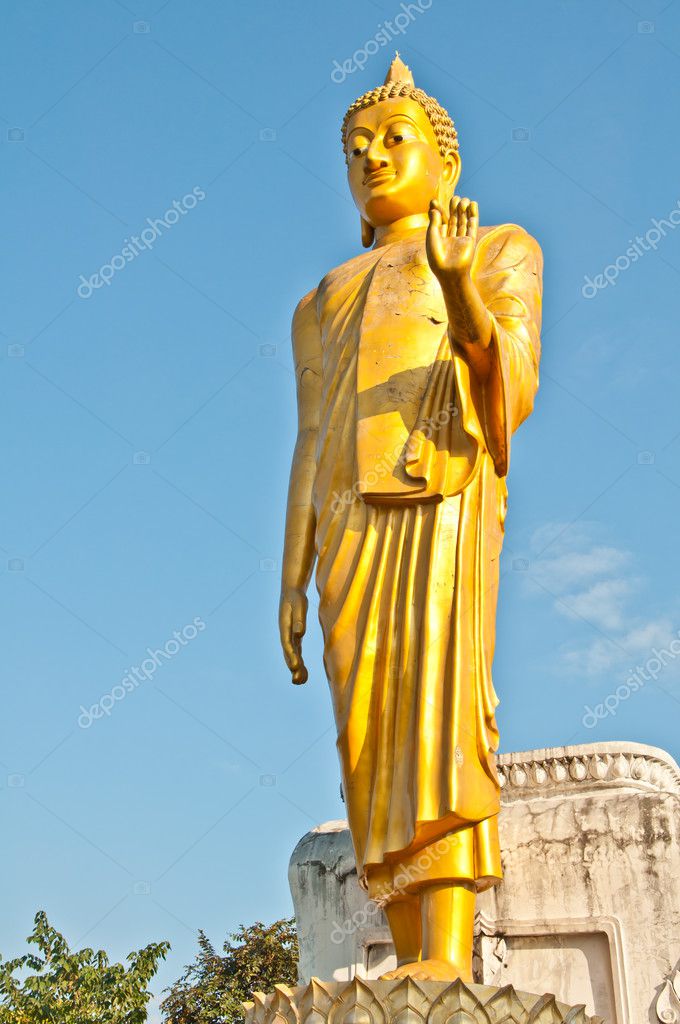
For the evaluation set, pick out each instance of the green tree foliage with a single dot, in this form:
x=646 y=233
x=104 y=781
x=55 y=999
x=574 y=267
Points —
x=58 y=986
x=212 y=988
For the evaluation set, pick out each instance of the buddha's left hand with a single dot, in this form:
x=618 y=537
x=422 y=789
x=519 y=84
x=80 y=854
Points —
x=451 y=242
x=451 y=239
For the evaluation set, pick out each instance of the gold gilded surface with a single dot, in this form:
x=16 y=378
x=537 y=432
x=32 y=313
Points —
x=415 y=362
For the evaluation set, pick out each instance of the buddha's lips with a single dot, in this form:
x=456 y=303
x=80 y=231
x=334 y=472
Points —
x=377 y=177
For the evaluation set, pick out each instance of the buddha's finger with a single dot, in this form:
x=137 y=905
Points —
x=453 y=217
x=473 y=220
x=299 y=670
x=434 y=242
x=462 y=218
x=291 y=657
x=436 y=215
x=284 y=626
x=290 y=654
x=288 y=644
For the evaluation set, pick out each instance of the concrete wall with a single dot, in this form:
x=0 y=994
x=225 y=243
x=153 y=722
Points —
x=590 y=905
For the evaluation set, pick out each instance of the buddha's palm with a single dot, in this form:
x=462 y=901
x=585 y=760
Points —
x=451 y=239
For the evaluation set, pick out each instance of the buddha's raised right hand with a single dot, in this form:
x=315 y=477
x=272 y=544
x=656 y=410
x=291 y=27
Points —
x=451 y=239
x=292 y=626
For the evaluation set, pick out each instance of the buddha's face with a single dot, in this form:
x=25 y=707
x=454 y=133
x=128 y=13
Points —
x=395 y=168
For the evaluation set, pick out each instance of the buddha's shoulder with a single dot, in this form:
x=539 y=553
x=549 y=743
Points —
x=307 y=305
x=355 y=265
x=507 y=243
x=305 y=312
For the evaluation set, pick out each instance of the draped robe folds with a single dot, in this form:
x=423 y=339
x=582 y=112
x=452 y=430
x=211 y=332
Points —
x=409 y=497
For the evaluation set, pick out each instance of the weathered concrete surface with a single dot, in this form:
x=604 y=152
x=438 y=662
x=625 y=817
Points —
x=590 y=905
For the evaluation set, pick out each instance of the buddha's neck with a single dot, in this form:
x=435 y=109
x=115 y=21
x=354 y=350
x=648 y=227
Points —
x=388 y=233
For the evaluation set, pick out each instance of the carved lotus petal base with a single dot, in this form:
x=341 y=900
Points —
x=408 y=1002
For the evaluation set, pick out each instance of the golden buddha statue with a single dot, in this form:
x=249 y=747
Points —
x=415 y=362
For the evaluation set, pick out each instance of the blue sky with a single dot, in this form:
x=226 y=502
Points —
x=148 y=426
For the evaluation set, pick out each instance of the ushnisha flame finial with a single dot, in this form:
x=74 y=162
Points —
x=399 y=72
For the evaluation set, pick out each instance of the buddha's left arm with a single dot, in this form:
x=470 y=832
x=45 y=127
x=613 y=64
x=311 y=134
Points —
x=494 y=314
x=508 y=281
x=470 y=324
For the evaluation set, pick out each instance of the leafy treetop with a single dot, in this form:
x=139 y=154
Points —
x=75 y=987
x=212 y=988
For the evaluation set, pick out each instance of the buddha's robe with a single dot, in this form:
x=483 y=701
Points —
x=410 y=499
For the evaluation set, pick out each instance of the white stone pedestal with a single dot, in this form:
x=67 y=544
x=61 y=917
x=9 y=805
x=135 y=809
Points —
x=590 y=905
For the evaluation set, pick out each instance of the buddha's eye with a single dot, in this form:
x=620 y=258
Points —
x=399 y=134
x=358 y=145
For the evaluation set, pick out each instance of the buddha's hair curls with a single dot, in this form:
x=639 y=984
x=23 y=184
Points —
x=443 y=127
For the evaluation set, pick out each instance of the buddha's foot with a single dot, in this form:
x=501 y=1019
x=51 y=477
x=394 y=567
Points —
x=428 y=970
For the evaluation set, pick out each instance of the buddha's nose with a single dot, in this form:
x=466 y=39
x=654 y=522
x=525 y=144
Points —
x=375 y=157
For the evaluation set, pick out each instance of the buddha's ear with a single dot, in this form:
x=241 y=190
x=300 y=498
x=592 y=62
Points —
x=450 y=177
x=367 y=234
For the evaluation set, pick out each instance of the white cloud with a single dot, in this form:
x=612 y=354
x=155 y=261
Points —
x=603 y=604
x=593 y=582
x=650 y=634
x=571 y=568
x=561 y=536
x=626 y=651
x=593 y=659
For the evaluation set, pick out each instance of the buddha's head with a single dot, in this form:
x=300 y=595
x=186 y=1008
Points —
x=401 y=149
